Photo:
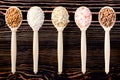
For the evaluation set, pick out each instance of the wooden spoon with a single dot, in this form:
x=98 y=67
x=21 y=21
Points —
x=107 y=29
x=13 y=18
x=35 y=18
x=60 y=19
x=83 y=18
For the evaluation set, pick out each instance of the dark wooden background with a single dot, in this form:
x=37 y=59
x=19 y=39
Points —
x=48 y=41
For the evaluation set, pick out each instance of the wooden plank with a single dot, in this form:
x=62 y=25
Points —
x=48 y=43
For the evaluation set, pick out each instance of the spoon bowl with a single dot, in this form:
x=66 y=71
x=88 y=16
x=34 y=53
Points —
x=107 y=27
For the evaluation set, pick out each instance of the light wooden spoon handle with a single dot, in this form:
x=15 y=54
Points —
x=107 y=51
x=35 y=51
x=13 y=51
x=83 y=50
x=60 y=51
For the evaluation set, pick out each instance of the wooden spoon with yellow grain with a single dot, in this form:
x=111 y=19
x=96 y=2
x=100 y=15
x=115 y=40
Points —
x=13 y=18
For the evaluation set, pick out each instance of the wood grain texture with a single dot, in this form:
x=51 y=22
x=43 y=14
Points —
x=48 y=43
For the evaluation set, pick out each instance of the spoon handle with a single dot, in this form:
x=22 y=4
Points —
x=13 y=51
x=35 y=52
x=60 y=51
x=83 y=50
x=107 y=51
